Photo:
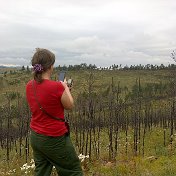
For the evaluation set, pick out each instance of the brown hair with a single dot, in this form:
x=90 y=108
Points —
x=45 y=58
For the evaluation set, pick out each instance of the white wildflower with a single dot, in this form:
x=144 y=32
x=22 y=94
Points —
x=14 y=170
x=83 y=157
x=32 y=166
x=26 y=168
x=32 y=161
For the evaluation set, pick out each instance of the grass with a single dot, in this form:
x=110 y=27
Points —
x=102 y=79
x=137 y=166
x=158 y=160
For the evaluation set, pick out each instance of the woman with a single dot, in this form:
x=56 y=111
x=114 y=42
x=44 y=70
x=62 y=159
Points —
x=47 y=100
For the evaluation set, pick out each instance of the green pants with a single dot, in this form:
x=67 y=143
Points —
x=54 y=151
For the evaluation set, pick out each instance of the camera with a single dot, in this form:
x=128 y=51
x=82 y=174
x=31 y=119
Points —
x=69 y=82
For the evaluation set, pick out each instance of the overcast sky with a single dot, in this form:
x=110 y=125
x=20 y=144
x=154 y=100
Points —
x=101 y=32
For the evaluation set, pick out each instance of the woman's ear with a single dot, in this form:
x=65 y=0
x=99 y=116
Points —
x=52 y=68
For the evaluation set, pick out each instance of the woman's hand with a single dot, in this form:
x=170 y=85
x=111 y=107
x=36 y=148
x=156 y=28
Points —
x=70 y=84
x=67 y=84
x=67 y=99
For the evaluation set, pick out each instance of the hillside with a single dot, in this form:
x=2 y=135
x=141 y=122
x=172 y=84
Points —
x=15 y=80
x=123 y=119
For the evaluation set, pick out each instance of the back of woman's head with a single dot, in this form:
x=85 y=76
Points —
x=42 y=60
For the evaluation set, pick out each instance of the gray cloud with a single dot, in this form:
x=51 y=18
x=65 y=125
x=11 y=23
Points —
x=95 y=31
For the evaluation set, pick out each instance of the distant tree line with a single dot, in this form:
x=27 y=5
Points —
x=84 y=66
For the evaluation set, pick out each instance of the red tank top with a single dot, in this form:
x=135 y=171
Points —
x=49 y=96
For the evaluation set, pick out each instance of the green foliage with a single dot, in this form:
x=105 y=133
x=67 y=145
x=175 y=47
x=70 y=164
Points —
x=12 y=95
x=149 y=90
x=118 y=86
x=23 y=68
x=27 y=69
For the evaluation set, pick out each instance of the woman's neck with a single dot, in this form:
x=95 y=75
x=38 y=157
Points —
x=46 y=75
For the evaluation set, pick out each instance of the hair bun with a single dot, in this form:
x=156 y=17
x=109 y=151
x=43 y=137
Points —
x=38 y=68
